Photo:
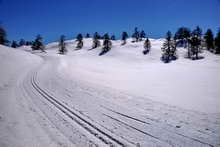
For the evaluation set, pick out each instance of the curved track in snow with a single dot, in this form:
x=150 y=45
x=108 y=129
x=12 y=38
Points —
x=89 y=115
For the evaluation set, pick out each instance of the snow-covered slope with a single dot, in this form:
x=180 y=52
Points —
x=123 y=98
x=185 y=83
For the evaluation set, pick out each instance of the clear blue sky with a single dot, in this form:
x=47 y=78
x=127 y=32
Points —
x=51 y=18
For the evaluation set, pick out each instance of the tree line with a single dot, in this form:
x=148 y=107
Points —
x=193 y=40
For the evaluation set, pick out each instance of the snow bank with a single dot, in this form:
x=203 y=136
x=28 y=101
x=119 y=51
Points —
x=13 y=62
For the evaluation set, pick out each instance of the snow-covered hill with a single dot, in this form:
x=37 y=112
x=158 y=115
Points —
x=182 y=83
x=123 y=98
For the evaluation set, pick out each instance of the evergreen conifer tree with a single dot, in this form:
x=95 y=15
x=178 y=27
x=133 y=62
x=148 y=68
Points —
x=147 y=46
x=142 y=35
x=62 y=45
x=195 y=46
x=3 y=36
x=96 y=42
x=169 y=49
x=136 y=35
x=113 y=37
x=37 y=44
x=14 y=44
x=124 y=37
x=182 y=36
x=197 y=32
x=22 y=42
x=87 y=35
x=79 y=39
x=217 y=43
x=107 y=44
x=209 y=39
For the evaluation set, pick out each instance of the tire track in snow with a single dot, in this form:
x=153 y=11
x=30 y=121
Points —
x=92 y=129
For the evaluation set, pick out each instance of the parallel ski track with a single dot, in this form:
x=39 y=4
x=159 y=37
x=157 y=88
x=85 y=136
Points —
x=127 y=116
x=91 y=128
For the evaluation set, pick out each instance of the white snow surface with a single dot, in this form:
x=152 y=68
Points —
x=123 y=98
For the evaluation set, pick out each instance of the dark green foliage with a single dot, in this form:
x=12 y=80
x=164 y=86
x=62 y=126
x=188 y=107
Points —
x=87 y=35
x=106 y=37
x=182 y=36
x=22 y=42
x=217 y=42
x=14 y=44
x=136 y=35
x=169 y=49
x=142 y=35
x=113 y=37
x=28 y=43
x=147 y=46
x=96 y=42
x=62 y=45
x=79 y=39
x=97 y=36
x=209 y=39
x=3 y=36
x=124 y=37
x=197 y=32
x=37 y=44
x=195 y=46
x=107 y=44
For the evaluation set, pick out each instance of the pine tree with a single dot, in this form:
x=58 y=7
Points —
x=28 y=43
x=79 y=39
x=142 y=35
x=197 y=32
x=37 y=44
x=217 y=43
x=147 y=46
x=113 y=37
x=169 y=49
x=195 y=46
x=209 y=39
x=22 y=42
x=3 y=36
x=96 y=42
x=62 y=45
x=107 y=44
x=136 y=35
x=124 y=37
x=87 y=35
x=182 y=36
x=14 y=44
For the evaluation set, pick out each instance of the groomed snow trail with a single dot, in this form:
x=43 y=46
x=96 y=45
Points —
x=91 y=115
